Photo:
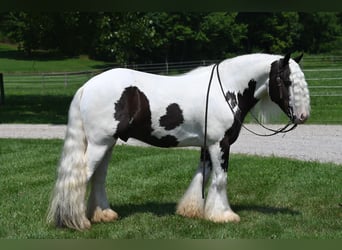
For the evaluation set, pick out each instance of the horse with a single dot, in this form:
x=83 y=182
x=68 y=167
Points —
x=169 y=111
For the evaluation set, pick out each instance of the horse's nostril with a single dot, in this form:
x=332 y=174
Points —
x=303 y=117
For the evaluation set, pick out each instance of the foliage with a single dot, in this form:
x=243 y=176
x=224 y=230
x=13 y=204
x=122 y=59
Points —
x=64 y=31
x=177 y=33
x=276 y=198
x=223 y=35
x=138 y=37
x=322 y=33
x=271 y=32
x=123 y=37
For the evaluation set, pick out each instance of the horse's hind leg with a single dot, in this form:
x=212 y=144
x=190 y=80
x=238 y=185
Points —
x=98 y=205
x=192 y=203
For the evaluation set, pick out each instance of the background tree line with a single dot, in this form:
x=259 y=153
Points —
x=136 y=37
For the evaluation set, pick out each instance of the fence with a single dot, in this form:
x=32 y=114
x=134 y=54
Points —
x=324 y=75
x=2 y=90
x=329 y=83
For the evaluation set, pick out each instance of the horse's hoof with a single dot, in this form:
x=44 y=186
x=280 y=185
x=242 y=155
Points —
x=230 y=216
x=86 y=225
x=190 y=212
x=106 y=215
x=191 y=207
x=227 y=216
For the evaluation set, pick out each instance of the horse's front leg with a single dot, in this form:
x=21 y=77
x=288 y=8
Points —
x=192 y=203
x=217 y=207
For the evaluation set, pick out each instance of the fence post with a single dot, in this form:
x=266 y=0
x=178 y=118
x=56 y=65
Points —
x=2 y=90
x=65 y=80
x=167 y=67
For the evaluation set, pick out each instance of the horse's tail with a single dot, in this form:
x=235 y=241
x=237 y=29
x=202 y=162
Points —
x=67 y=205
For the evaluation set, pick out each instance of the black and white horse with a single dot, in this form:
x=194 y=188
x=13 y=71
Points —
x=169 y=111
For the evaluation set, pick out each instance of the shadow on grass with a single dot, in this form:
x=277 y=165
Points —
x=105 y=66
x=158 y=209
x=35 y=109
x=46 y=56
x=163 y=209
x=16 y=54
x=265 y=209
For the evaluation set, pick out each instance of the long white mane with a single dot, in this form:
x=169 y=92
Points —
x=267 y=111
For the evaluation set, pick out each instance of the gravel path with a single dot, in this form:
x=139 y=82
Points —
x=321 y=143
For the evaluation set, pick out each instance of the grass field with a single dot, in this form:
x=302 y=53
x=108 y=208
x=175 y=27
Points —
x=14 y=61
x=276 y=198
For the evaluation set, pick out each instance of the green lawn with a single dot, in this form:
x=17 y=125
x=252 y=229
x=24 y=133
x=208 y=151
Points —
x=276 y=198
x=14 y=61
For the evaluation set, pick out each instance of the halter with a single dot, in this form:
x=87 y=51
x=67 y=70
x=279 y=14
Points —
x=282 y=130
x=279 y=83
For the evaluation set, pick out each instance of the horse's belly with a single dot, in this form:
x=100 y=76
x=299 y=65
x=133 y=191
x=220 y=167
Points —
x=160 y=137
x=182 y=136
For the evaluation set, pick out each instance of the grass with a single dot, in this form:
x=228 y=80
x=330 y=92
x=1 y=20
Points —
x=37 y=100
x=276 y=198
x=14 y=61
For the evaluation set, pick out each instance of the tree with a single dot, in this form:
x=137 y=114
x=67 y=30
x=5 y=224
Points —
x=176 y=35
x=124 y=37
x=136 y=37
x=222 y=34
x=73 y=32
x=66 y=32
x=271 y=32
x=193 y=36
x=26 y=29
x=320 y=31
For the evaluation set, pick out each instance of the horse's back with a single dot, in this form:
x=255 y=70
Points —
x=110 y=85
x=126 y=103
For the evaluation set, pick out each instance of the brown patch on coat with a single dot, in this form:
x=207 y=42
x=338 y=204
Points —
x=133 y=112
x=173 y=117
x=246 y=101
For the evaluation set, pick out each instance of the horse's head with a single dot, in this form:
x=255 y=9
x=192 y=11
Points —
x=287 y=87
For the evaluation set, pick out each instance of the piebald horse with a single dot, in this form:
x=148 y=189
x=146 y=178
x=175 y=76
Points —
x=169 y=111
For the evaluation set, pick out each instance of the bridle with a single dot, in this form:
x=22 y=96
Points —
x=279 y=83
x=274 y=131
x=282 y=130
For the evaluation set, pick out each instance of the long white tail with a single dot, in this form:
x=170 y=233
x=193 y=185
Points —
x=67 y=206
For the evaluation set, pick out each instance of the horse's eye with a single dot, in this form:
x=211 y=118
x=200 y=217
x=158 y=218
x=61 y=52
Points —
x=287 y=83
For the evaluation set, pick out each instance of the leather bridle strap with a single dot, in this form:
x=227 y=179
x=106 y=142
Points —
x=274 y=131
x=284 y=129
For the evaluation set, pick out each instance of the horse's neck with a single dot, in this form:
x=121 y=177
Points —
x=239 y=71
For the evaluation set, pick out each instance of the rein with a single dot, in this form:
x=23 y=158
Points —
x=274 y=131
x=282 y=130
x=206 y=128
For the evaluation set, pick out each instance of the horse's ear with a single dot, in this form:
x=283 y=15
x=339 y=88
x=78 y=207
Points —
x=298 y=58
x=286 y=59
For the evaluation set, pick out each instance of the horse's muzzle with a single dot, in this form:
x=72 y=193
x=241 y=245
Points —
x=300 y=119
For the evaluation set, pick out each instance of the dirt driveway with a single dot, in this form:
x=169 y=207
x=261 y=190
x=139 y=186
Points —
x=321 y=143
